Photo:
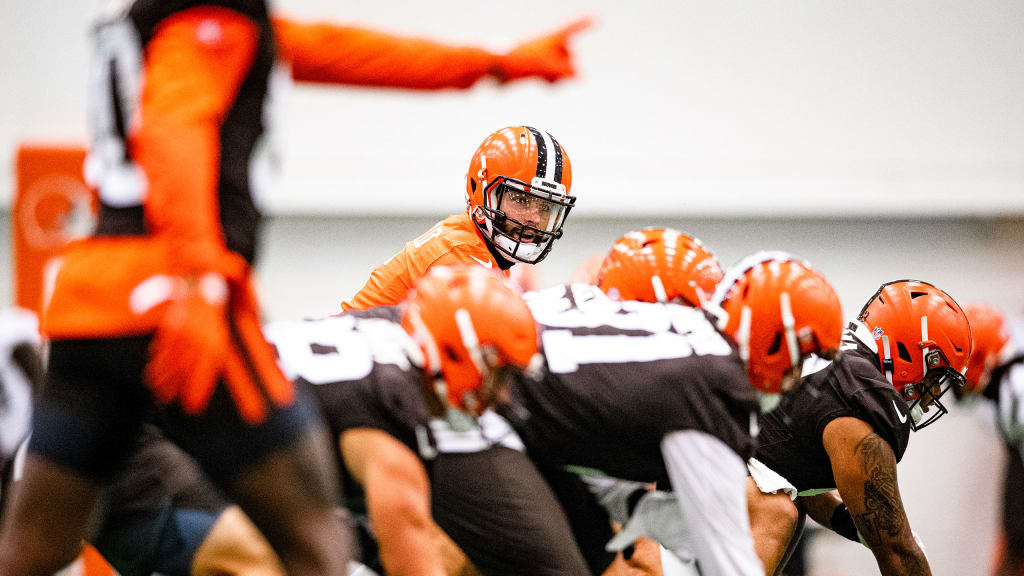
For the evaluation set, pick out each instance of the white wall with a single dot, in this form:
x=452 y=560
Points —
x=691 y=107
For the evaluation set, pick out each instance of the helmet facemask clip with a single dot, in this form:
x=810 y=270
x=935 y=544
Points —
x=937 y=378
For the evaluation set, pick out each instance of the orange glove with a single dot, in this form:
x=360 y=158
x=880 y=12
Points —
x=191 y=344
x=547 y=57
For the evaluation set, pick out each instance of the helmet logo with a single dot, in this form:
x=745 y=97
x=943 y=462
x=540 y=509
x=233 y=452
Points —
x=877 y=333
x=478 y=215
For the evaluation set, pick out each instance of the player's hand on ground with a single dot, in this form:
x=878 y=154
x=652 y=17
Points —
x=191 y=343
x=547 y=57
x=657 y=516
x=616 y=496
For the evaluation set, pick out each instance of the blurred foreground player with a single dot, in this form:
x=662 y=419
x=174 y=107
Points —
x=517 y=199
x=403 y=396
x=850 y=423
x=996 y=372
x=155 y=311
x=21 y=375
x=658 y=393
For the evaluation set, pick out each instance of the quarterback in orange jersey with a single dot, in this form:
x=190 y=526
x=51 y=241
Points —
x=517 y=199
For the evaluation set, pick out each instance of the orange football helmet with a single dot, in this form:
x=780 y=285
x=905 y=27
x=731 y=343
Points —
x=923 y=341
x=517 y=192
x=659 y=265
x=991 y=344
x=468 y=321
x=779 y=311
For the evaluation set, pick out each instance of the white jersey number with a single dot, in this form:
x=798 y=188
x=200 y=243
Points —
x=339 y=349
x=673 y=331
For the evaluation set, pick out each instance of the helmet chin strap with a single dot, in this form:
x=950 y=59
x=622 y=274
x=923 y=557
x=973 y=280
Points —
x=659 y=289
x=426 y=341
x=469 y=339
x=789 y=328
x=887 y=358
x=924 y=349
x=743 y=335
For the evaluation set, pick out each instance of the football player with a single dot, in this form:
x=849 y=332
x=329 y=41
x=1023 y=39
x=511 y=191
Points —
x=21 y=375
x=517 y=200
x=655 y=265
x=156 y=311
x=850 y=424
x=402 y=397
x=659 y=393
x=996 y=372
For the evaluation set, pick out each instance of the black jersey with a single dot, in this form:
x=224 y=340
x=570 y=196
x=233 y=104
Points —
x=361 y=370
x=618 y=377
x=485 y=493
x=790 y=442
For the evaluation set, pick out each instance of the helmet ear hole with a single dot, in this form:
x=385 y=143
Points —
x=472 y=183
x=903 y=352
x=451 y=353
x=776 y=344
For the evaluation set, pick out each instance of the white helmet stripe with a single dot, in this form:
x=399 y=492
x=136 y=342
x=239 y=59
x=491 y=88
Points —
x=546 y=154
x=740 y=268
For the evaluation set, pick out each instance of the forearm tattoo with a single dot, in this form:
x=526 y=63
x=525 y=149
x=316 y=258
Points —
x=884 y=521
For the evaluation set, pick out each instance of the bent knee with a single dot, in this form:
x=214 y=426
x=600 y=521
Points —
x=235 y=546
x=771 y=513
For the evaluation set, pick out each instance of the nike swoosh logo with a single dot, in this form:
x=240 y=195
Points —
x=900 y=415
x=484 y=263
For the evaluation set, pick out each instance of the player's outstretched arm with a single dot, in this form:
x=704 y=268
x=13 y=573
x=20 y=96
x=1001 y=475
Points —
x=864 y=467
x=331 y=53
x=398 y=500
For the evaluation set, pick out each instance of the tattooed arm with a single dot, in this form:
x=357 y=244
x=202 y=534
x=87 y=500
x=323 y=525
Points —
x=864 y=467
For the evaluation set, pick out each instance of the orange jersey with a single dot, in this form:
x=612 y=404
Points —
x=454 y=240
x=206 y=71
